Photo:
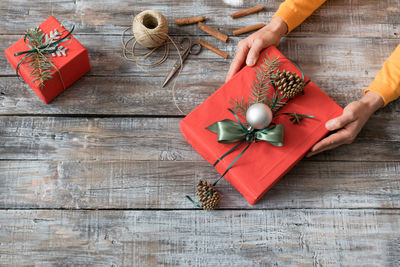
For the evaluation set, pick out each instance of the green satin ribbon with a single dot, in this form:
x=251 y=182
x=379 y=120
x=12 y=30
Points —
x=229 y=131
x=43 y=49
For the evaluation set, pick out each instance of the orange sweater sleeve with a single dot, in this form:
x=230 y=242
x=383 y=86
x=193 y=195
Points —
x=294 y=12
x=387 y=81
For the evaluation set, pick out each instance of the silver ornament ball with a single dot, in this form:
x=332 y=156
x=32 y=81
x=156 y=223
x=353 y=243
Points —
x=259 y=115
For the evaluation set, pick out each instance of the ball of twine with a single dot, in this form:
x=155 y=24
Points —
x=150 y=28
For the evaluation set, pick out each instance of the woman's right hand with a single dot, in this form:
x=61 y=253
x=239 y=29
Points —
x=249 y=48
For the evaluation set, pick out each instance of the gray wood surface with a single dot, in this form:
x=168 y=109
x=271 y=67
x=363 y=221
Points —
x=342 y=67
x=144 y=138
x=196 y=238
x=152 y=184
x=98 y=177
x=367 y=18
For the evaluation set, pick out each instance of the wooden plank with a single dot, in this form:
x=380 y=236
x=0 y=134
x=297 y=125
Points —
x=164 y=184
x=342 y=68
x=340 y=18
x=198 y=238
x=59 y=138
x=135 y=96
x=345 y=57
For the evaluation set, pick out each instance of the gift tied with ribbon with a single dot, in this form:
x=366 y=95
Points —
x=37 y=57
x=259 y=113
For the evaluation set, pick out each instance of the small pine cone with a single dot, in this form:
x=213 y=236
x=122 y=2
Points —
x=288 y=83
x=209 y=196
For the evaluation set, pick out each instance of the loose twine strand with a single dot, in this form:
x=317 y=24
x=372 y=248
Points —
x=154 y=37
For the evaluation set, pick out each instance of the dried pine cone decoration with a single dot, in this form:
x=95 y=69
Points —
x=209 y=196
x=288 y=83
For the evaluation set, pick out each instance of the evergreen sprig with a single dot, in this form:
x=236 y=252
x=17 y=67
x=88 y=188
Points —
x=259 y=92
x=40 y=63
x=239 y=106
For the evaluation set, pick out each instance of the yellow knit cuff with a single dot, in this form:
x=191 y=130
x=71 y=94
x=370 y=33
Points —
x=288 y=15
x=385 y=91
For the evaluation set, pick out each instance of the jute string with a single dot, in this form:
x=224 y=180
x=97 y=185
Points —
x=150 y=29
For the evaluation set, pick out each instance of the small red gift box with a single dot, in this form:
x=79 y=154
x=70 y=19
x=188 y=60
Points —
x=69 y=66
x=263 y=164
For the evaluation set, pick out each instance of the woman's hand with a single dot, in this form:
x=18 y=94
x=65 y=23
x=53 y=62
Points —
x=355 y=115
x=250 y=48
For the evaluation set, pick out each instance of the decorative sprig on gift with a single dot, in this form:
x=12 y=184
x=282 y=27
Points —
x=260 y=87
x=38 y=57
x=51 y=37
x=240 y=106
x=40 y=63
x=285 y=83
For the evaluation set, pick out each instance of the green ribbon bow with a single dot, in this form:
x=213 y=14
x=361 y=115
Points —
x=229 y=131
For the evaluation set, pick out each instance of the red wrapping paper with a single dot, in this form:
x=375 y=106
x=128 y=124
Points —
x=263 y=164
x=72 y=66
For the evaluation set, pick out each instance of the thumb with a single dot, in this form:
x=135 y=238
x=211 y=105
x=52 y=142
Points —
x=339 y=122
x=254 y=52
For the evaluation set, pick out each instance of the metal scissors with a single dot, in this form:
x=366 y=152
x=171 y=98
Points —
x=192 y=48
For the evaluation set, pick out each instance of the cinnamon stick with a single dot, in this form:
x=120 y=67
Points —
x=214 y=49
x=246 y=12
x=190 y=20
x=213 y=32
x=248 y=29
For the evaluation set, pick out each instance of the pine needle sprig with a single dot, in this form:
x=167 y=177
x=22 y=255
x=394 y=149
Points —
x=41 y=67
x=278 y=104
x=239 y=106
x=35 y=36
x=40 y=64
x=261 y=85
x=259 y=92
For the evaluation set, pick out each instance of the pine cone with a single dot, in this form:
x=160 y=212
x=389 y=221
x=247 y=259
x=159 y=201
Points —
x=209 y=196
x=288 y=83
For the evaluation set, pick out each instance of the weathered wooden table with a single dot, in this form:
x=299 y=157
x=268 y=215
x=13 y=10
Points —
x=98 y=177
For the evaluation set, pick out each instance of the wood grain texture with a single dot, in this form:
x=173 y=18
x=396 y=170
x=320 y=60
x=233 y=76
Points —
x=343 y=57
x=98 y=177
x=197 y=238
x=367 y=18
x=137 y=97
x=163 y=184
x=341 y=67
x=62 y=138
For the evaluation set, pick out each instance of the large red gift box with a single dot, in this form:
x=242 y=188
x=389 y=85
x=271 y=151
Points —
x=73 y=65
x=263 y=164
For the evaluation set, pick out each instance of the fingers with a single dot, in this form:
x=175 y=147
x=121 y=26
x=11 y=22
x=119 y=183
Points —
x=310 y=154
x=327 y=143
x=339 y=122
x=335 y=139
x=348 y=126
x=237 y=61
x=254 y=52
x=330 y=142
